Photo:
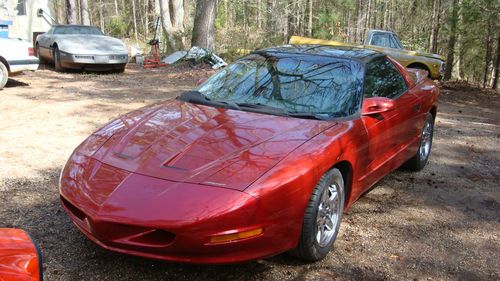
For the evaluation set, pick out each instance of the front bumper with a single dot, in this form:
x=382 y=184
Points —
x=96 y=62
x=154 y=218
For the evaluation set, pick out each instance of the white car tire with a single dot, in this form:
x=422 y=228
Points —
x=4 y=75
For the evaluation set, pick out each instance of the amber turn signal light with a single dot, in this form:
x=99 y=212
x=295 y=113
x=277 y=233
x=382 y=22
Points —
x=224 y=238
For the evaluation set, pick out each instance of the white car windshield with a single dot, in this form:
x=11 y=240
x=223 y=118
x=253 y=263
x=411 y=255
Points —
x=85 y=30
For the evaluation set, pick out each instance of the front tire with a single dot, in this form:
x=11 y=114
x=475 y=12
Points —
x=322 y=217
x=4 y=75
x=420 y=159
x=57 y=60
x=40 y=58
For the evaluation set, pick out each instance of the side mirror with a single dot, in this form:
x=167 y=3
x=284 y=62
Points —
x=377 y=105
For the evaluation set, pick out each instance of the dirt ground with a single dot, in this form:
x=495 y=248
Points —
x=442 y=223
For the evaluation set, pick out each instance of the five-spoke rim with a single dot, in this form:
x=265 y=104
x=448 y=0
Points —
x=328 y=215
x=425 y=143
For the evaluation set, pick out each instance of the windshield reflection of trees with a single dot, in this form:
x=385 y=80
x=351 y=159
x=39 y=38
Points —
x=311 y=84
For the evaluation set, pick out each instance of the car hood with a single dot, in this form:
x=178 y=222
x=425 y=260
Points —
x=422 y=54
x=90 y=44
x=404 y=51
x=184 y=142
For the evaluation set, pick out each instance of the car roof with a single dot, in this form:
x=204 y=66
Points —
x=72 y=25
x=344 y=52
x=381 y=31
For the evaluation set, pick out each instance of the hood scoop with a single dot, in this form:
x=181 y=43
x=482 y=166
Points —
x=185 y=142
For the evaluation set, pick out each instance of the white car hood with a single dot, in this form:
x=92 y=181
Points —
x=90 y=44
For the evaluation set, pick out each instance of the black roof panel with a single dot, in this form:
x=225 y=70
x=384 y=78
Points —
x=345 y=52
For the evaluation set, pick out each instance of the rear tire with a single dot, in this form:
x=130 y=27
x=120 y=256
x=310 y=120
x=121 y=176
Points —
x=57 y=60
x=322 y=217
x=4 y=75
x=420 y=159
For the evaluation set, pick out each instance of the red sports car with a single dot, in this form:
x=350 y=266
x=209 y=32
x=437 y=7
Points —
x=20 y=259
x=260 y=159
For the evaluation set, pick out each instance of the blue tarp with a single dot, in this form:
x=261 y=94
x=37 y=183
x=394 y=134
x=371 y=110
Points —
x=4 y=28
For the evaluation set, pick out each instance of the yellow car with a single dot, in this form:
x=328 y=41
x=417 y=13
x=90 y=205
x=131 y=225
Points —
x=387 y=42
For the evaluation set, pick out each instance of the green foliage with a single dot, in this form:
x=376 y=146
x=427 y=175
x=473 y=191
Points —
x=250 y=24
x=117 y=27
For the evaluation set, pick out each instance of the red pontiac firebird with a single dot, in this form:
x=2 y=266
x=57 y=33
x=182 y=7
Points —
x=260 y=159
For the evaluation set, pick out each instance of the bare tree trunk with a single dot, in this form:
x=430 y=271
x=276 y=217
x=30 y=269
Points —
x=204 y=24
x=457 y=70
x=101 y=15
x=357 y=21
x=135 y=20
x=497 y=66
x=413 y=11
x=436 y=16
x=310 y=19
x=146 y=17
x=173 y=23
x=286 y=25
x=259 y=14
x=487 y=57
x=245 y=17
x=368 y=16
x=374 y=17
x=58 y=6
x=78 y=12
x=451 y=42
x=71 y=12
x=226 y=13
x=116 y=8
x=84 y=8
x=269 y=15
x=302 y=18
x=386 y=9
x=292 y=18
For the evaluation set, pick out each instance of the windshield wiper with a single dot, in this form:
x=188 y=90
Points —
x=304 y=115
x=194 y=97
x=261 y=106
x=230 y=104
x=308 y=115
x=199 y=98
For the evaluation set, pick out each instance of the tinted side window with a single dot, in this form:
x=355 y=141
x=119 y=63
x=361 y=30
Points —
x=382 y=79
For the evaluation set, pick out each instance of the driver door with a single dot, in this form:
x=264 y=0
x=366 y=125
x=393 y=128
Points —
x=385 y=130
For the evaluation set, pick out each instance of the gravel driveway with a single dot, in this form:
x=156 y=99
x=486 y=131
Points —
x=442 y=223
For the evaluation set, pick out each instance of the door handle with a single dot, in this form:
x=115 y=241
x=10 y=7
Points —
x=417 y=107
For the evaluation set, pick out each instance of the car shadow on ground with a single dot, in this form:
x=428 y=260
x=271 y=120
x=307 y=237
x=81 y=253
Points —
x=51 y=67
x=12 y=82
x=34 y=206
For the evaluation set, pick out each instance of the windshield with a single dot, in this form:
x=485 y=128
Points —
x=87 y=30
x=291 y=83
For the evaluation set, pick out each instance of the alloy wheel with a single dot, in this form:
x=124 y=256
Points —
x=425 y=143
x=328 y=215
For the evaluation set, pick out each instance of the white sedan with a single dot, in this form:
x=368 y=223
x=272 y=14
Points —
x=16 y=55
x=81 y=47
